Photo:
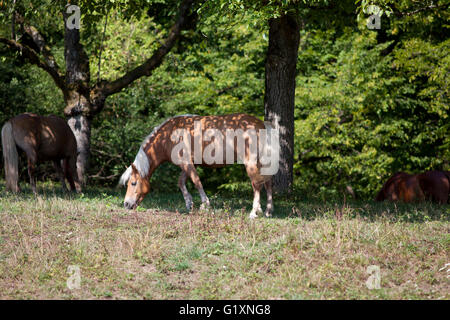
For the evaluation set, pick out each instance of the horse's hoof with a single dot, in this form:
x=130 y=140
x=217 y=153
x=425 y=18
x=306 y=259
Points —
x=253 y=215
x=268 y=215
x=205 y=206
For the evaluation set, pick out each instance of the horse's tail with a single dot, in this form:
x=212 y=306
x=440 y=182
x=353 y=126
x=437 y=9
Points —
x=11 y=158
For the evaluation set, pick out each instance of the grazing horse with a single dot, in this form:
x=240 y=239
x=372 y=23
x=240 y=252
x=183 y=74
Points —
x=42 y=139
x=430 y=185
x=191 y=140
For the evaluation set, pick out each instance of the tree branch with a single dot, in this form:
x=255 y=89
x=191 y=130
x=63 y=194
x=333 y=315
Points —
x=43 y=48
x=33 y=58
x=430 y=7
x=39 y=41
x=145 y=69
x=13 y=22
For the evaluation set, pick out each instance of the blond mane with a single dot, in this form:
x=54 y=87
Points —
x=142 y=162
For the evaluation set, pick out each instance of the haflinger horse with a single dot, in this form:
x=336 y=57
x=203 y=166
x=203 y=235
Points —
x=430 y=185
x=42 y=138
x=191 y=140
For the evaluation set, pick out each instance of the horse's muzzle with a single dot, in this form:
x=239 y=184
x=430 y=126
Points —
x=130 y=205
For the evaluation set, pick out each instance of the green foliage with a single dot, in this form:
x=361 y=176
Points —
x=368 y=103
x=208 y=73
x=12 y=87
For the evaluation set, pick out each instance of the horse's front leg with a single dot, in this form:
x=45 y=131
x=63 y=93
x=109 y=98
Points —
x=187 y=196
x=256 y=200
x=192 y=173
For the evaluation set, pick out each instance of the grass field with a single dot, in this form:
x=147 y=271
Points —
x=310 y=249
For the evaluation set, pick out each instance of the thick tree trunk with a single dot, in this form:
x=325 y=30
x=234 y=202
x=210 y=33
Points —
x=80 y=123
x=81 y=127
x=284 y=38
x=78 y=109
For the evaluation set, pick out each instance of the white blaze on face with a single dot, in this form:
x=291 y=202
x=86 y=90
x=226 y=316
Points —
x=130 y=201
x=137 y=188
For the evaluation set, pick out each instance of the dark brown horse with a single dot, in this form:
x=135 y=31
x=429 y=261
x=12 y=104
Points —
x=42 y=139
x=430 y=185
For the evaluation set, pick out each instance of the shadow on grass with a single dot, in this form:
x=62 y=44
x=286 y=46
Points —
x=234 y=203
x=50 y=189
x=307 y=208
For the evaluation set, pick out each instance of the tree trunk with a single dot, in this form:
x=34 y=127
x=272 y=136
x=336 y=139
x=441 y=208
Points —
x=77 y=96
x=81 y=127
x=284 y=38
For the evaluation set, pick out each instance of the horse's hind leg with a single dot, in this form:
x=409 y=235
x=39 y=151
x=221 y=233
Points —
x=70 y=171
x=59 y=171
x=31 y=168
x=182 y=185
x=269 y=207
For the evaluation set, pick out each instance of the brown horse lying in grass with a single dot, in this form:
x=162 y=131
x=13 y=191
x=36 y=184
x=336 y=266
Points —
x=430 y=185
x=42 y=139
x=211 y=141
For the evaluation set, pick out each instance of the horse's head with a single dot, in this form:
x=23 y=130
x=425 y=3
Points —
x=137 y=188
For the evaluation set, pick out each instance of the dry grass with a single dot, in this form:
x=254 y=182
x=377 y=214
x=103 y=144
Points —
x=310 y=250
